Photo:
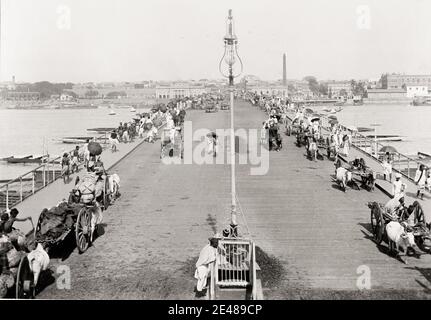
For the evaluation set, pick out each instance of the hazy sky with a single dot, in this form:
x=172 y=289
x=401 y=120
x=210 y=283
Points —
x=133 y=40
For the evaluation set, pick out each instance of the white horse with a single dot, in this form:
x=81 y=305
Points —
x=114 y=186
x=38 y=261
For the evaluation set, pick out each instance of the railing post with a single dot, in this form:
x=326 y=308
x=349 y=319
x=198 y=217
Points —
x=20 y=189
x=7 y=197
x=253 y=261
x=212 y=281
x=32 y=182
x=43 y=175
x=399 y=164
x=408 y=167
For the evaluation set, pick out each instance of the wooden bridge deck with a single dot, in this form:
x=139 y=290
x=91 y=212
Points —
x=296 y=213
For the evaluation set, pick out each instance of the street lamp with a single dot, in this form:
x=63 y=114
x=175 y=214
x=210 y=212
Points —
x=229 y=58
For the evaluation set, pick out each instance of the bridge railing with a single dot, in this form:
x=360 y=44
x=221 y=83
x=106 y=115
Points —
x=17 y=190
x=405 y=165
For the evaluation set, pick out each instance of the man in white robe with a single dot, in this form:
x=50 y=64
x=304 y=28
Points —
x=207 y=256
x=398 y=187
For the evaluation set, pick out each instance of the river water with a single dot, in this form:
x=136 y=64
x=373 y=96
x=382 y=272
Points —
x=412 y=123
x=29 y=132
x=34 y=132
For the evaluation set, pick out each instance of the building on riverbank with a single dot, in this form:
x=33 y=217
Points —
x=416 y=91
x=387 y=96
x=269 y=90
x=339 y=88
x=21 y=96
x=401 y=81
x=179 y=91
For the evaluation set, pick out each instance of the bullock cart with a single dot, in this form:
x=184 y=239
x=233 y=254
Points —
x=413 y=218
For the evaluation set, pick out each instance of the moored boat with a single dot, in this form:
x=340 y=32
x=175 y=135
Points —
x=385 y=137
x=422 y=101
x=27 y=159
x=76 y=140
x=102 y=130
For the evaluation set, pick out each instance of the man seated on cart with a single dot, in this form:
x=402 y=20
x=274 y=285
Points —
x=100 y=174
x=91 y=191
x=395 y=206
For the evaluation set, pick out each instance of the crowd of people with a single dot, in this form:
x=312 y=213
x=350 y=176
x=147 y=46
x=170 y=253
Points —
x=275 y=108
x=405 y=218
x=92 y=188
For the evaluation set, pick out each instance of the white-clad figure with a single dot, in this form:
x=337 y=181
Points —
x=398 y=187
x=207 y=257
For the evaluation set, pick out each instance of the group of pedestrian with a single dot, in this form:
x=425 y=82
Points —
x=340 y=139
x=422 y=178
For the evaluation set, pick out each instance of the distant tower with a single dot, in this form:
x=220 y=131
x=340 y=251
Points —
x=13 y=79
x=284 y=70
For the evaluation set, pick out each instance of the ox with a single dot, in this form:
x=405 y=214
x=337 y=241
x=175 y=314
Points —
x=399 y=238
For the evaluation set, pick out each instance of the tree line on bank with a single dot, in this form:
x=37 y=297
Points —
x=358 y=88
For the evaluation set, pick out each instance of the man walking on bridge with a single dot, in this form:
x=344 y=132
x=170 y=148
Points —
x=398 y=187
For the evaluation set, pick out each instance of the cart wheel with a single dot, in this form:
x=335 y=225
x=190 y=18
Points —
x=25 y=288
x=106 y=195
x=38 y=226
x=83 y=230
x=377 y=224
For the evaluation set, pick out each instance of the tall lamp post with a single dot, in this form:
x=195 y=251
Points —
x=229 y=58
